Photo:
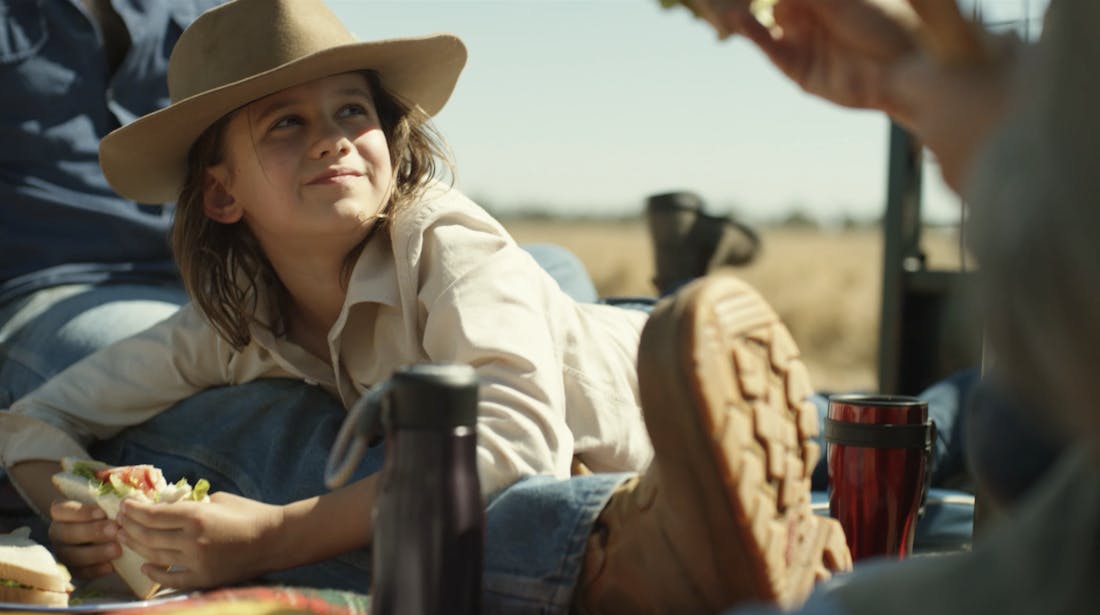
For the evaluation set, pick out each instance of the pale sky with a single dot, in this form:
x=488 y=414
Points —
x=588 y=106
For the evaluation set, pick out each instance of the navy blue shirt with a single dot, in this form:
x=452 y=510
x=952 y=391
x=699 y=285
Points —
x=59 y=219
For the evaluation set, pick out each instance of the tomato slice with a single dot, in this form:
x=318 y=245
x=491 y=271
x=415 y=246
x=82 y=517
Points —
x=139 y=477
x=150 y=484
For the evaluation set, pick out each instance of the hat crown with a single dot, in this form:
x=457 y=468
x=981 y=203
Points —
x=245 y=38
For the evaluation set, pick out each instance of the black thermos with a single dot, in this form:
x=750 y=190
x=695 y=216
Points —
x=428 y=523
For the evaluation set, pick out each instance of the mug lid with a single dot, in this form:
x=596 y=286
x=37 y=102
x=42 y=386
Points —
x=876 y=399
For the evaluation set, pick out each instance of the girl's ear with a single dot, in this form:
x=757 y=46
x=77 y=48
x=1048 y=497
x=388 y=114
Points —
x=218 y=204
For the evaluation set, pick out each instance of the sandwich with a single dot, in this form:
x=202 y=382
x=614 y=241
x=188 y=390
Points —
x=29 y=574
x=762 y=11
x=94 y=482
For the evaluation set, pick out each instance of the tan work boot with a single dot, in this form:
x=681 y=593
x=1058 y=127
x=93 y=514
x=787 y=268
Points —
x=689 y=243
x=722 y=516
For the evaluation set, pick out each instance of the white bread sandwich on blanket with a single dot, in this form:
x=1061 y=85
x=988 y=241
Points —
x=94 y=482
x=29 y=574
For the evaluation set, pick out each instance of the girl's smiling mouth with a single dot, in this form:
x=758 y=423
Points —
x=335 y=175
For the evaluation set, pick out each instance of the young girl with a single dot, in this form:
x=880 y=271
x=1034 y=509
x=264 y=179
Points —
x=317 y=245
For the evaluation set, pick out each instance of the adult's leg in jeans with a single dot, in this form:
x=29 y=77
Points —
x=566 y=269
x=45 y=332
x=271 y=443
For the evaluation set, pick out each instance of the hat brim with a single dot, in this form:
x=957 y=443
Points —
x=146 y=160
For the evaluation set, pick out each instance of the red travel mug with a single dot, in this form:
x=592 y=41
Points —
x=879 y=450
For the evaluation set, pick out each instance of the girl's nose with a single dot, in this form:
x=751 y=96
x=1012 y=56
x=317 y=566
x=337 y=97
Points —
x=331 y=141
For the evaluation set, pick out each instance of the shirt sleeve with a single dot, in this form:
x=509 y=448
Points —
x=486 y=303
x=124 y=384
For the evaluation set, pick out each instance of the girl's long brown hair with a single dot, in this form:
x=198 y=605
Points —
x=223 y=267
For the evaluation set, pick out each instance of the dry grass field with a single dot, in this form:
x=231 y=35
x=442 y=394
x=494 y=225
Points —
x=824 y=284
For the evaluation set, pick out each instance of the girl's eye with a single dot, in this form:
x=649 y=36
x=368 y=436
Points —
x=286 y=122
x=352 y=109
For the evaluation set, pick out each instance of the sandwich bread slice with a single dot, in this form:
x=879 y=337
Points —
x=94 y=482
x=29 y=574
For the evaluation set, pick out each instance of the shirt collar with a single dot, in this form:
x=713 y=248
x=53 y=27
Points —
x=374 y=278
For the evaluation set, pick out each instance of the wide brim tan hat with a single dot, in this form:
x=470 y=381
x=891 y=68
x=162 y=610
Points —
x=244 y=50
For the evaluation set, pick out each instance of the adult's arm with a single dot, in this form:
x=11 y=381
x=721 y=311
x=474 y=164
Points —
x=919 y=61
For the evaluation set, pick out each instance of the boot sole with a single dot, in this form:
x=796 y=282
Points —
x=726 y=404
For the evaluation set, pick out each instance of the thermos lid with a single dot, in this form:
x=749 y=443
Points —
x=433 y=396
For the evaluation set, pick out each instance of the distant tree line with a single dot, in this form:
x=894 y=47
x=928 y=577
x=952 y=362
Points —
x=794 y=217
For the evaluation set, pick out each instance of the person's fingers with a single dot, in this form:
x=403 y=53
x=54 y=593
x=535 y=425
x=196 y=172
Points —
x=156 y=555
x=78 y=533
x=879 y=30
x=88 y=556
x=151 y=537
x=73 y=511
x=723 y=15
x=782 y=54
x=951 y=38
x=794 y=43
x=91 y=572
x=175 y=576
x=157 y=516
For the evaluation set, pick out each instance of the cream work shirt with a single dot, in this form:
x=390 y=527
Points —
x=446 y=284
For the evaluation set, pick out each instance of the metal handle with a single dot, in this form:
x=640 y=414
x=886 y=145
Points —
x=930 y=460
x=362 y=429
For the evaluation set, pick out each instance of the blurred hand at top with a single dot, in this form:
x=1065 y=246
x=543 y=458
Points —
x=919 y=61
x=840 y=50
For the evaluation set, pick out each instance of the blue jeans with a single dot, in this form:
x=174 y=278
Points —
x=566 y=269
x=43 y=333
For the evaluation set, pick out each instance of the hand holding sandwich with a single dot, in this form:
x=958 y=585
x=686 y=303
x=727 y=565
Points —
x=204 y=545
x=109 y=487
x=84 y=538
x=225 y=540
x=190 y=545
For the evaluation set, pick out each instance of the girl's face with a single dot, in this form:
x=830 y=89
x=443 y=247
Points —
x=306 y=165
